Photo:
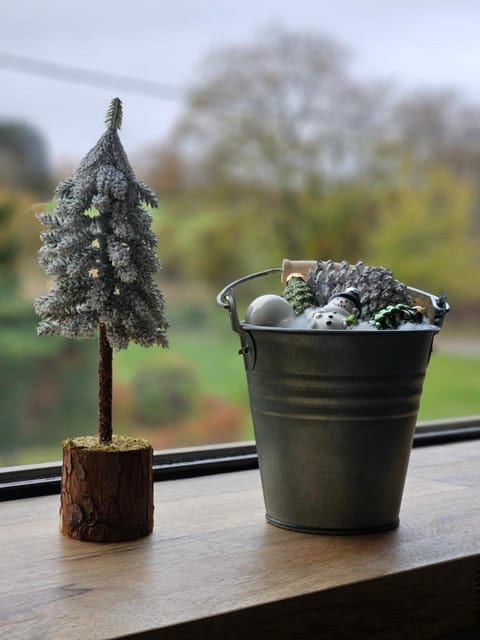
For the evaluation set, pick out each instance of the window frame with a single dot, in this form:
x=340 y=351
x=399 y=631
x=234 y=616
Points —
x=30 y=481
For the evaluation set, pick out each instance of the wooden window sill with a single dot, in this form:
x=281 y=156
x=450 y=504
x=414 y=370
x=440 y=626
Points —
x=213 y=567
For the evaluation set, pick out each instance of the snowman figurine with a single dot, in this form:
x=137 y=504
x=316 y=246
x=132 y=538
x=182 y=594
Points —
x=341 y=311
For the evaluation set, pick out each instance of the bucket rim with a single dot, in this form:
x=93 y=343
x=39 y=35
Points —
x=343 y=332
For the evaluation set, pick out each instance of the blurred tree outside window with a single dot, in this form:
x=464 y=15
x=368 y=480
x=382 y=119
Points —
x=280 y=151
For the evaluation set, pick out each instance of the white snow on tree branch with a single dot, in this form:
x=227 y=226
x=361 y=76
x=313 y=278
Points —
x=100 y=249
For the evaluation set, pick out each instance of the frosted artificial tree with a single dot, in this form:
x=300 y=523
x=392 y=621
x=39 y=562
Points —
x=100 y=250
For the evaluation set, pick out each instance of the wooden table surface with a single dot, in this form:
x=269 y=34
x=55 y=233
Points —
x=214 y=567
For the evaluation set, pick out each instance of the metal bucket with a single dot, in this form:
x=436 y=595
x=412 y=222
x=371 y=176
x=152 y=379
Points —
x=334 y=414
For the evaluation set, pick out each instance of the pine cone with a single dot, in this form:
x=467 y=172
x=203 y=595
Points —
x=376 y=285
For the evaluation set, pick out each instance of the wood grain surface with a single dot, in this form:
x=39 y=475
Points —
x=213 y=567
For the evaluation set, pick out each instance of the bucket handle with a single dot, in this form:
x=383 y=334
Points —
x=439 y=306
x=226 y=297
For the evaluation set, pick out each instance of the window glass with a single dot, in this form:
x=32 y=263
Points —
x=262 y=142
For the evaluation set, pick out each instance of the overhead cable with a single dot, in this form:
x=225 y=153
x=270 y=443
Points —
x=78 y=75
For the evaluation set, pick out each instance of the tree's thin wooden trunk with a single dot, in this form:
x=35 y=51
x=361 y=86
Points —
x=105 y=359
x=107 y=492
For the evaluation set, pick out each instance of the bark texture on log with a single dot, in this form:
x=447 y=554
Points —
x=107 y=493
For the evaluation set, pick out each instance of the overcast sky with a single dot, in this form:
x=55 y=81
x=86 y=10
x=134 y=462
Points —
x=414 y=43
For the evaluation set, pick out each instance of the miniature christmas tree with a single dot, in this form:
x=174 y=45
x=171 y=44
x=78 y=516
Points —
x=397 y=314
x=100 y=250
x=298 y=293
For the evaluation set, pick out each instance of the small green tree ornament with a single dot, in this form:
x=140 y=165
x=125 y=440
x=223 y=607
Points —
x=298 y=293
x=100 y=250
x=395 y=315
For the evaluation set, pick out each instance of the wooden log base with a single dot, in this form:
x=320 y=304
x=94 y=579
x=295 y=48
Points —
x=107 y=489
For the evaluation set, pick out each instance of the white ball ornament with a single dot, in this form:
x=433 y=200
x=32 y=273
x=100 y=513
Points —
x=269 y=310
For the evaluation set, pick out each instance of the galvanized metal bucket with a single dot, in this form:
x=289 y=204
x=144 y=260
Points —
x=334 y=414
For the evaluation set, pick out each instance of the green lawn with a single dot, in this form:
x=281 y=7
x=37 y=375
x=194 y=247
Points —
x=213 y=355
x=452 y=387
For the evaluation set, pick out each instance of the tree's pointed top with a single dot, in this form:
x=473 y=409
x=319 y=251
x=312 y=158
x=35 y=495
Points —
x=113 y=119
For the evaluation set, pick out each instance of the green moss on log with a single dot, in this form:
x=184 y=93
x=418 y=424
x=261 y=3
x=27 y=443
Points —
x=119 y=443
